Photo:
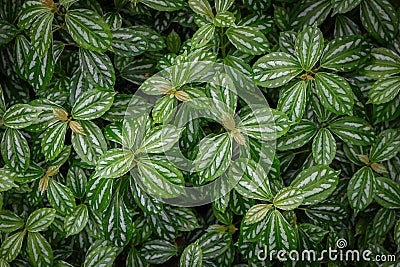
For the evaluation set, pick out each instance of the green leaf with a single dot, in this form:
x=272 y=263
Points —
x=155 y=40
x=75 y=222
x=293 y=99
x=11 y=246
x=281 y=18
x=344 y=26
x=257 y=213
x=15 y=150
x=353 y=130
x=160 y=139
x=384 y=90
x=164 y=109
x=309 y=47
x=328 y=212
x=344 y=54
x=31 y=10
x=98 y=69
x=224 y=19
x=164 y=5
x=379 y=18
x=173 y=42
x=20 y=116
x=264 y=124
x=275 y=69
x=41 y=33
x=100 y=254
x=92 y=104
x=114 y=163
x=213 y=244
x=99 y=193
x=288 y=198
x=91 y=145
x=386 y=146
x=361 y=189
x=317 y=183
x=334 y=92
x=310 y=13
x=39 y=250
x=203 y=35
x=161 y=178
x=135 y=259
x=384 y=62
x=128 y=42
x=10 y=222
x=324 y=147
x=315 y=233
x=60 y=197
x=279 y=233
x=344 y=6
x=192 y=256
x=387 y=193
x=158 y=251
x=7 y=32
x=214 y=156
x=383 y=221
x=299 y=135
x=53 y=140
x=201 y=7
x=248 y=40
x=7 y=180
x=249 y=179
x=39 y=69
x=40 y=219
x=88 y=29
x=76 y=180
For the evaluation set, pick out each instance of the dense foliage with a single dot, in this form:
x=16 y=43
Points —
x=90 y=134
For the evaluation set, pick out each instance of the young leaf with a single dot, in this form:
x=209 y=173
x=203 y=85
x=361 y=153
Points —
x=275 y=69
x=88 y=29
x=248 y=40
x=309 y=47
x=201 y=7
x=40 y=219
x=288 y=198
x=334 y=93
x=324 y=147
x=361 y=189
x=203 y=35
x=160 y=138
x=257 y=213
x=100 y=254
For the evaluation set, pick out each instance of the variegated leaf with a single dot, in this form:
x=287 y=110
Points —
x=324 y=147
x=15 y=150
x=40 y=219
x=60 y=197
x=20 y=116
x=279 y=233
x=288 y=198
x=77 y=220
x=353 y=130
x=158 y=251
x=309 y=47
x=192 y=256
x=114 y=163
x=248 y=40
x=299 y=135
x=39 y=250
x=361 y=189
x=387 y=193
x=386 y=146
